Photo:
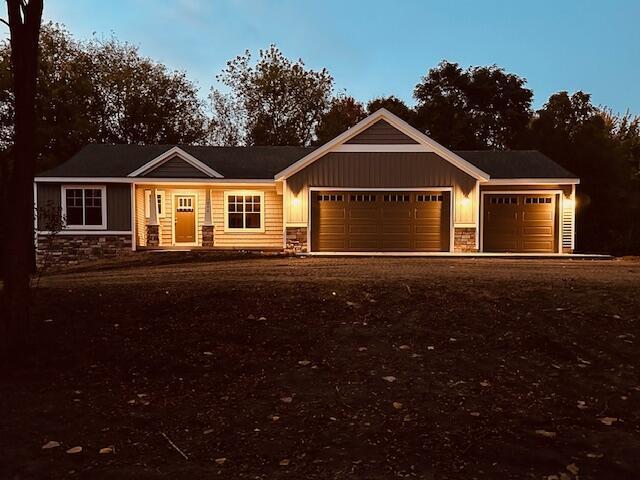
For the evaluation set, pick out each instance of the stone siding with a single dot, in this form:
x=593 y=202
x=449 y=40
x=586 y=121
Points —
x=208 y=236
x=296 y=240
x=464 y=240
x=63 y=250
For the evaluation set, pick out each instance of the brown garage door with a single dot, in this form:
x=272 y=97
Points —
x=520 y=223
x=367 y=221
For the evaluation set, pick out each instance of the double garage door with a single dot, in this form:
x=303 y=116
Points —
x=523 y=223
x=379 y=221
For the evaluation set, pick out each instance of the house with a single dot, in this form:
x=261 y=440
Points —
x=381 y=186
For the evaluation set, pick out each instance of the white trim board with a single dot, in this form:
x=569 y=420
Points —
x=159 y=181
x=399 y=124
x=83 y=187
x=168 y=155
x=533 y=181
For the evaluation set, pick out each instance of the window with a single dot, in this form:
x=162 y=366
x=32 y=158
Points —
x=244 y=211
x=84 y=207
x=363 y=198
x=330 y=198
x=160 y=199
x=429 y=198
x=537 y=200
x=503 y=200
x=396 y=198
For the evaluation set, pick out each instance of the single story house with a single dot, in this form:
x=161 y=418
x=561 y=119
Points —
x=381 y=186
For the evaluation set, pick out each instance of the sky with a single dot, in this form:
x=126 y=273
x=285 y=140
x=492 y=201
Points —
x=375 y=48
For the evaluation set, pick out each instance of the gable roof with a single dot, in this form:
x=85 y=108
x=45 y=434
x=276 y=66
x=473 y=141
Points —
x=402 y=126
x=171 y=154
x=515 y=164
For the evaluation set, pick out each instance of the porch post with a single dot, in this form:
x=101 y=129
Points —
x=153 y=228
x=207 y=226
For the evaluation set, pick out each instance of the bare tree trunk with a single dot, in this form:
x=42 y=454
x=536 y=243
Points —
x=24 y=24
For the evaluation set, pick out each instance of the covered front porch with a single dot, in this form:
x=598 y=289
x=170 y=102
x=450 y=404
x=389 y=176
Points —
x=208 y=217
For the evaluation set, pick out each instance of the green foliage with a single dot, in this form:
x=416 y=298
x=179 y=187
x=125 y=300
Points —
x=282 y=101
x=394 y=105
x=343 y=113
x=481 y=107
x=101 y=91
x=601 y=149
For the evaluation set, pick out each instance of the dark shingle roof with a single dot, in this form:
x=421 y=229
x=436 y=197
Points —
x=515 y=164
x=103 y=160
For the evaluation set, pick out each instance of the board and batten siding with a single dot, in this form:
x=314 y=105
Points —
x=175 y=168
x=381 y=133
x=379 y=170
x=271 y=238
x=118 y=203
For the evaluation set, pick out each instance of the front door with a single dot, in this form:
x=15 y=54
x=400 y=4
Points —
x=185 y=219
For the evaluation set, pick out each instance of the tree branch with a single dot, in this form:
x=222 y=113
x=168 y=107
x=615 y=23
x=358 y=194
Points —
x=5 y=22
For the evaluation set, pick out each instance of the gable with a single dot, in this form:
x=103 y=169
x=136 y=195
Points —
x=175 y=167
x=382 y=133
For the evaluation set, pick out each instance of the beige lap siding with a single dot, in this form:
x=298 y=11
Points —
x=271 y=238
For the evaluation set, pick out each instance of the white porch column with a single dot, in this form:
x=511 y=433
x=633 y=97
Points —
x=153 y=207
x=208 y=221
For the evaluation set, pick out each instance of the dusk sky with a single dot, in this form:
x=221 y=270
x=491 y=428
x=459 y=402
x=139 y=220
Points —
x=377 y=48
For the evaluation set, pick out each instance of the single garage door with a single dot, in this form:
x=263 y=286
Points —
x=380 y=221
x=522 y=223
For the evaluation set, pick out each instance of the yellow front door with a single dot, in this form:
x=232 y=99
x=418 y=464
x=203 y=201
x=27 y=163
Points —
x=185 y=219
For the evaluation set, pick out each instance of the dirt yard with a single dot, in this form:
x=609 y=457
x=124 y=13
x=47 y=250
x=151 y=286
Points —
x=316 y=368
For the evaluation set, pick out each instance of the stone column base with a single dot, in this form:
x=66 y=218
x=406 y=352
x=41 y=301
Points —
x=153 y=236
x=296 y=240
x=464 y=240
x=208 y=236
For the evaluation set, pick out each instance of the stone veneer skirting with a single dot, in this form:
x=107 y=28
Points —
x=61 y=250
x=208 y=236
x=296 y=240
x=464 y=240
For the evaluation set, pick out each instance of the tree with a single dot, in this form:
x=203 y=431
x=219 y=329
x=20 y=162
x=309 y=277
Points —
x=282 y=101
x=343 y=113
x=601 y=149
x=24 y=21
x=394 y=105
x=101 y=91
x=481 y=107
x=226 y=126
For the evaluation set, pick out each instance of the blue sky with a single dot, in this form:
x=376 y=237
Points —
x=377 y=47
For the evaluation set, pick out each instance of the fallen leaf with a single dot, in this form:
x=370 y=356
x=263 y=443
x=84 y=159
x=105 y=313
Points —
x=106 y=450
x=262 y=319
x=573 y=468
x=287 y=399
x=304 y=363
x=404 y=347
x=284 y=462
x=474 y=414
x=595 y=455
x=362 y=349
x=484 y=383
x=397 y=405
x=207 y=353
x=74 y=450
x=431 y=347
x=389 y=378
x=582 y=405
x=220 y=461
x=608 y=420
x=50 y=444
x=546 y=433
x=208 y=431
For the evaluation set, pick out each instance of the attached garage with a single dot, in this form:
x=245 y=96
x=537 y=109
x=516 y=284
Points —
x=380 y=221
x=520 y=222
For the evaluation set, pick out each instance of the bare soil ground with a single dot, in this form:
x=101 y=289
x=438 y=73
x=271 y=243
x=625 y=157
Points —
x=330 y=368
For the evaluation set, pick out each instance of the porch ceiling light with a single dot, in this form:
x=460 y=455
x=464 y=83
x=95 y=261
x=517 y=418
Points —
x=295 y=201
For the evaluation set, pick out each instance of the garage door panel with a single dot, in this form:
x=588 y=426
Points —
x=520 y=223
x=380 y=221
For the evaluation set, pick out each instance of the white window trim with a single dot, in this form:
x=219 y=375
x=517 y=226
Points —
x=147 y=204
x=102 y=188
x=227 y=228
